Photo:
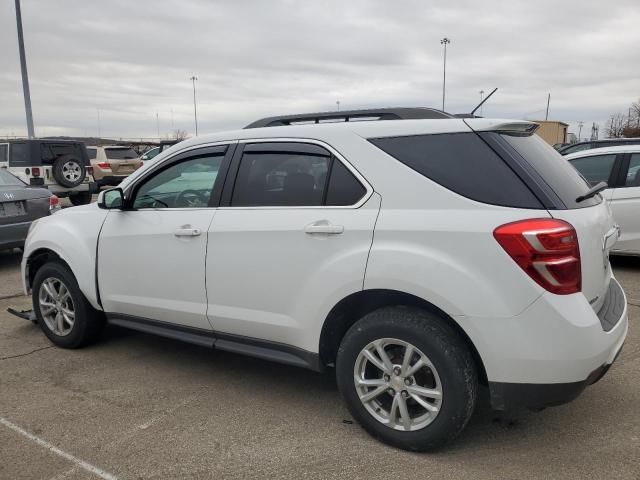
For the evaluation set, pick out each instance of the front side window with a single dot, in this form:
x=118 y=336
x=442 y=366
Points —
x=633 y=174
x=187 y=184
x=596 y=168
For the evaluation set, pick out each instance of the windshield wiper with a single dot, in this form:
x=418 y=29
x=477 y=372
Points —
x=593 y=191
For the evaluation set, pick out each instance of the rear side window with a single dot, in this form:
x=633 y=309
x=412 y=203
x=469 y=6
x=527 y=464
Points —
x=4 y=152
x=554 y=169
x=274 y=179
x=596 y=168
x=463 y=163
x=20 y=155
x=343 y=188
x=92 y=152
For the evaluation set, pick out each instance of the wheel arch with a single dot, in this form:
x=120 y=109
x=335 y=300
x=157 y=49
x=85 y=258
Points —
x=353 y=307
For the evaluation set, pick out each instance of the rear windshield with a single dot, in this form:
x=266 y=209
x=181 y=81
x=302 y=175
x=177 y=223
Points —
x=120 y=153
x=6 y=179
x=553 y=168
x=463 y=163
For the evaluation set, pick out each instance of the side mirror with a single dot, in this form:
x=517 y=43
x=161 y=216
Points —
x=111 y=199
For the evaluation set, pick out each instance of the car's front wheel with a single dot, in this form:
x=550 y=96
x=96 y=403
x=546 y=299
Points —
x=408 y=378
x=62 y=311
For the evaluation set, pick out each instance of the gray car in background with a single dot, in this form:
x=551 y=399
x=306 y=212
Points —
x=20 y=205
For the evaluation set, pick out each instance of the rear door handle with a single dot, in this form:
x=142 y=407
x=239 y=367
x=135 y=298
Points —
x=325 y=227
x=186 y=231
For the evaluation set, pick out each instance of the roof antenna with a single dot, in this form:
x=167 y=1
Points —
x=482 y=102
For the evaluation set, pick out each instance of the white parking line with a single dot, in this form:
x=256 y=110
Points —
x=52 y=448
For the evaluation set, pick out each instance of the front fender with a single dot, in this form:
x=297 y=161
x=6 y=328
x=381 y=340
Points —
x=72 y=235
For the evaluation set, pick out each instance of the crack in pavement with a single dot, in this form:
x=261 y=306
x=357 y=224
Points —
x=25 y=354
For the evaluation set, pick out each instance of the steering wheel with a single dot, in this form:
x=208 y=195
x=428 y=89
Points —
x=189 y=198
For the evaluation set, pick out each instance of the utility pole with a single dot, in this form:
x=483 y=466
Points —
x=338 y=104
x=444 y=42
x=25 y=75
x=195 y=110
x=481 y=106
x=580 y=124
x=546 y=117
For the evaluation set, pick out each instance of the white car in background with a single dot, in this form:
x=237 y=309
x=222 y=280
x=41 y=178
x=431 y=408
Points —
x=620 y=168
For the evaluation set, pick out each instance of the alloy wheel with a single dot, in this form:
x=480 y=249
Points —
x=56 y=306
x=398 y=384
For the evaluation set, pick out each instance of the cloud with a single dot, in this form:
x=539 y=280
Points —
x=126 y=61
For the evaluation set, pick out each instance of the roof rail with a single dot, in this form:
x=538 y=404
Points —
x=352 y=115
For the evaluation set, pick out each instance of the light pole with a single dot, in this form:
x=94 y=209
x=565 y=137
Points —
x=580 y=124
x=338 y=104
x=25 y=75
x=481 y=96
x=195 y=110
x=444 y=42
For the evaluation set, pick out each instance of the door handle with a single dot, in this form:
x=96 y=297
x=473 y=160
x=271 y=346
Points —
x=186 y=231
x=323 y=226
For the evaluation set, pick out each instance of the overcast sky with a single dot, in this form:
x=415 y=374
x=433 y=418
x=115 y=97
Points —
x=129 y=59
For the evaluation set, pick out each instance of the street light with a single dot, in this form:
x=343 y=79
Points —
x=195 y=110
x=25 y=76
x=444 y=42
x=580 y=124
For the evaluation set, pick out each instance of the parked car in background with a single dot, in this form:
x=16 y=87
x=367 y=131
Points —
x=418 y=254
x=620 y=168
x=164 y=144
x=150 y=154
x=62 y=166
x=21 y=204
x=113 y=163
x=606 y=142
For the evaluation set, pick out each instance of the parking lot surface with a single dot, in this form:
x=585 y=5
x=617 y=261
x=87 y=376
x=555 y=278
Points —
x=136 y=406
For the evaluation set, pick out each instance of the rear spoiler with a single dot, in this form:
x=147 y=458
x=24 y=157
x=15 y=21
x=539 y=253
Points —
x=509 y=127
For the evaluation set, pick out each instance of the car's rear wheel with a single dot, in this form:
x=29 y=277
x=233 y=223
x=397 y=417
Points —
x=62 y=311
x=408 y=378
x=69 y=171
x=80 y=198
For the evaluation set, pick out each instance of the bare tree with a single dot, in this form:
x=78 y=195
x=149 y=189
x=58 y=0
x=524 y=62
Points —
x=616 y=124
x=179 y=135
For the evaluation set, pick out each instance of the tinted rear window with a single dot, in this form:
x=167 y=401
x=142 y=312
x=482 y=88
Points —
x=463 y=163
x=553 y=168
x=120 y=153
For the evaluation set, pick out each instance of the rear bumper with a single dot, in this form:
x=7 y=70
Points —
x=13 y=235
x=511 y=396
x=550 y=352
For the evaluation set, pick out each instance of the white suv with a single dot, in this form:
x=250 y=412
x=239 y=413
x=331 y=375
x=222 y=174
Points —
x=419 y=256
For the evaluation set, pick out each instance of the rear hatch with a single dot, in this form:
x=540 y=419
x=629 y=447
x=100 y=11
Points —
x=558 y=185
x=123 y=160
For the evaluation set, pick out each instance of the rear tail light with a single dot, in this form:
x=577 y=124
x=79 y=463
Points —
x=54 y=204
x=104 y=165
x=35 y=171
x=547 y=249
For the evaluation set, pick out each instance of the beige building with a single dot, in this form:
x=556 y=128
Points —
x=552 y=131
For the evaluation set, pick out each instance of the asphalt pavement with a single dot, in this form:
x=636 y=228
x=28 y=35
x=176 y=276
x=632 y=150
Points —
x=135 y=406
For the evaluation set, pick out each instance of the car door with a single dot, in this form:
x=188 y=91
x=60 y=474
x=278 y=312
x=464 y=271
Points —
x=151 y=255
x=290 y=239
x=625 y=204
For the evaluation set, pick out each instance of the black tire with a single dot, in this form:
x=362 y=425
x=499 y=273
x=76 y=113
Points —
x=69 y=171
x=80 y=198
x=88 y=321
x=445 y=349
